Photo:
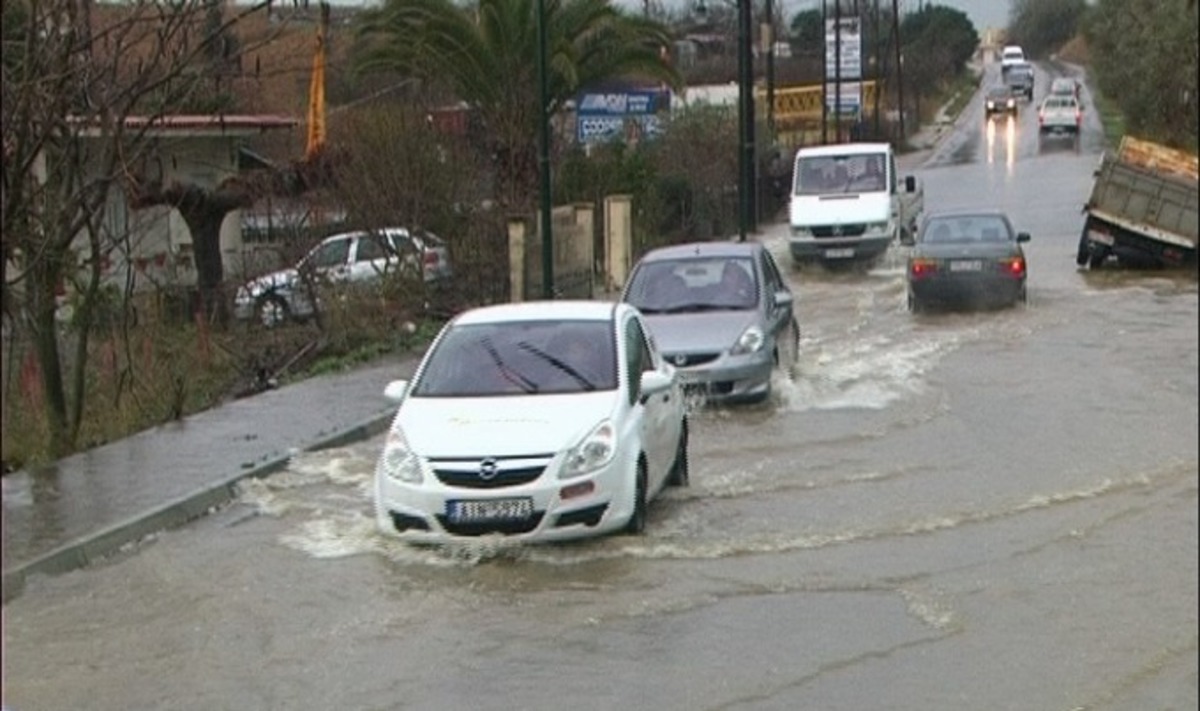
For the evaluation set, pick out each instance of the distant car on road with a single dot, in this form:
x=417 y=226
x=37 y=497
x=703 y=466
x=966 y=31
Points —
x=721 y=312
x=1011 y=56
x=350 y=257
x=999 y=100
x=1060 y=116
x=1065 y=86
x=536 y=421
x=1020 y=80
x=967 y=258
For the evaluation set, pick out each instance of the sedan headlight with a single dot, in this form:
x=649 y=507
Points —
x=750 y=341
x=593 y=452
x=398 y=461
x=1011 y=103
x=991 y=104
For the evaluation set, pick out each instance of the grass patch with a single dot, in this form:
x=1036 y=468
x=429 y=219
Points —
x=1111 y=118
x=960 y=92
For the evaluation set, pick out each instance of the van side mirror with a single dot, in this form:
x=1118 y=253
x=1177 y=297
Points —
x=910 y=184
x=1023 y=237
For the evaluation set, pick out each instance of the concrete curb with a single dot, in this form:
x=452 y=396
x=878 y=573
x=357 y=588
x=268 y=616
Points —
x=95 y=547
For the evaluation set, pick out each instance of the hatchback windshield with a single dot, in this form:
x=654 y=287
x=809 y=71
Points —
x=695 y=284
x=528 y=357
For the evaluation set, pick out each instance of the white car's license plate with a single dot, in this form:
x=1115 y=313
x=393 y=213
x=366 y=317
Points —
x=489 y=510
x=966 y=265
x=1101 y=237
x=839 y=253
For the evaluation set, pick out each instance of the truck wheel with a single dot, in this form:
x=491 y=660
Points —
x=1085 y=251
x=1097 y=258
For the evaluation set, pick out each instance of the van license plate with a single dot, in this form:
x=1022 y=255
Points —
x=839 y=253
x=1101 y=237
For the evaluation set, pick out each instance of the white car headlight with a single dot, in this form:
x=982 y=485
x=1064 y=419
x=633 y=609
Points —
x=877 y=226
x=802 y=232
x=398 y=461
x=750 y=341
x=593 y=452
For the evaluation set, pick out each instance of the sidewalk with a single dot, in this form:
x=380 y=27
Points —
x=87 y=506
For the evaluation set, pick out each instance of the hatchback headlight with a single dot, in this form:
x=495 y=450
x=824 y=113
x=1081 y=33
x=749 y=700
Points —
x=750 y=341
x=398 y=461
x=593 y=452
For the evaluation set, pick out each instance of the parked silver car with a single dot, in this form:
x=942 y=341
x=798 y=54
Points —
x=721 y=312
x=349 y=257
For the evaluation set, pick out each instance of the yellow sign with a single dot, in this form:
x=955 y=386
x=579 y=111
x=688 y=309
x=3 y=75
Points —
x=799 y=104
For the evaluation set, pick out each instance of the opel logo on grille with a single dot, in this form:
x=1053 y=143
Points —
x=488 y=469
x=680 y=360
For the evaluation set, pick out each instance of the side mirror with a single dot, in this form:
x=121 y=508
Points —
x=783 y=298
x=395 y=390
x=910 y=184
x=907 y=238
x=654 y=382
x=1023 y=237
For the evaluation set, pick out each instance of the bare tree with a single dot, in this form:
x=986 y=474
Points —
x=74 y=74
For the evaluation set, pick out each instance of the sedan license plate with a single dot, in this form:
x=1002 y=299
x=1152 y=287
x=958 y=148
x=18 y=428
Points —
x=966 y=265
x=845 y=253
x=477 y=510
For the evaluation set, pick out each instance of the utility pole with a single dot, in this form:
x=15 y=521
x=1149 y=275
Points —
x=837 y=71
x=899 y=65
x=824 y=74
x=878 y=73
x=544 y=157
x=770 y=43
x=746 y=157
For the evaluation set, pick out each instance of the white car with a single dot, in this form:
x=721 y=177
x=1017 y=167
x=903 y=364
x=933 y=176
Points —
x=537 y=421
x=348 y=257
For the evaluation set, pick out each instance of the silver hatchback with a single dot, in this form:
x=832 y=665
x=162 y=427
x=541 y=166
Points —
x=721 y=312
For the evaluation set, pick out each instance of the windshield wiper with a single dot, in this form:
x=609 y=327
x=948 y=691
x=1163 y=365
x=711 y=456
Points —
x=558 y=363
x=508 y=373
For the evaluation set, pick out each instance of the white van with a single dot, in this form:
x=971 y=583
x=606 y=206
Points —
x=1010 y=56
x=848 y=204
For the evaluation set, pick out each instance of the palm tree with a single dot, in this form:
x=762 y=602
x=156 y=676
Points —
x=486 y=55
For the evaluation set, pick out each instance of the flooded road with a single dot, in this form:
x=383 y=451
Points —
x=992 y=510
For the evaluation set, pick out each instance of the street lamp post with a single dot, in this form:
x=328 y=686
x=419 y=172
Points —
x=746 y=167
x=544 y=157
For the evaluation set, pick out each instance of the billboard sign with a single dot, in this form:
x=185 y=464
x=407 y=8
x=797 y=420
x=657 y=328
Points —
x=850 y=46
x=608 y=115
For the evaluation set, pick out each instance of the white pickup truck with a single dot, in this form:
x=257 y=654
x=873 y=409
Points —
x=848 y=204
x=1059 y=115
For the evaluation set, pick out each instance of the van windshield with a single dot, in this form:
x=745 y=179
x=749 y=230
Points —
x=853 y=173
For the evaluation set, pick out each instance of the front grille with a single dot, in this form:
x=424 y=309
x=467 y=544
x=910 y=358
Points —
x=848 y=230
x=684 y=360
x=472 y=479
x=508 y=528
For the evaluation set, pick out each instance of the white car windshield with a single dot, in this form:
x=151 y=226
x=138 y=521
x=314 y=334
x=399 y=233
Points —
x=822 y=175
x=694 y=284
x=521 y=358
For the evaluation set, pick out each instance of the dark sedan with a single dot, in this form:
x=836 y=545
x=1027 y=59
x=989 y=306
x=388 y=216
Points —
x=967 y=258
x=1000 y=100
